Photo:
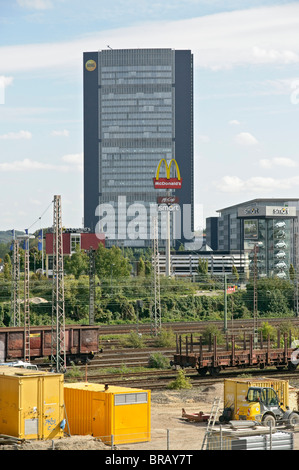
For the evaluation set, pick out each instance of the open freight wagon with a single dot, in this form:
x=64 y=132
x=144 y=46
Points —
x=81 y=343
x=213 y=359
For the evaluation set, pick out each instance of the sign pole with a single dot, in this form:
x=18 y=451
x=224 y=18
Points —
x=167 y=267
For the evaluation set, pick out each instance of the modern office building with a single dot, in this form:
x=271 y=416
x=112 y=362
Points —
x=264 y=229
x=219 y=263
x=138 y=109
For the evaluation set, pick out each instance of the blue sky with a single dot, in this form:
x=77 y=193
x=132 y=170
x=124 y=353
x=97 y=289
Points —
x=246 y=96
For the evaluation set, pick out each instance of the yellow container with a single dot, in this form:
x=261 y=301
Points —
x=103 y=412
x=235 y=391
x=31 y=403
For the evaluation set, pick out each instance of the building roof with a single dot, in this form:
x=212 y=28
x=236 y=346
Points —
x=255 y=201
x=205 y=247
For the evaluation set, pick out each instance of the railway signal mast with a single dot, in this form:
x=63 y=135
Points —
x=26 y=303
x=26 y=238
x=255 y=302
x=15 y=317
x=58 y=357
x=91 y=255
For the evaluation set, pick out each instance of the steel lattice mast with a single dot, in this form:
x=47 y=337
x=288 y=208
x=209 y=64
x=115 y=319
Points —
x=255 y=304
x=156 y=278
x=91 y=255
x=58 y=358
x=26 y=303
x=15 y=317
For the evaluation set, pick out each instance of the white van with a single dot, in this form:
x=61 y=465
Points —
x=22 y=364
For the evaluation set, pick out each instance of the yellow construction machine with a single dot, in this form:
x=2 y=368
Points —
x=265 y=401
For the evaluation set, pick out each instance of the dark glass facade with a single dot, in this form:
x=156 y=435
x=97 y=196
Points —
x=138 y=109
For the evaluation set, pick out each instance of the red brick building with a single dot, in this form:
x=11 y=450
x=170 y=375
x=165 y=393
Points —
x=71 y=240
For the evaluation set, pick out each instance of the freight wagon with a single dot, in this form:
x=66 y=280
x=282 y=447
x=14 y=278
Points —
x=190 y=353
x=81 y=343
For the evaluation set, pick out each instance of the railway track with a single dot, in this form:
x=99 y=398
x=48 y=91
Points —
x=160 y=379
x=128 y=360
x=235 y=326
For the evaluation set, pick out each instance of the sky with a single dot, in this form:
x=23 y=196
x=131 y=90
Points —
x=246 y=97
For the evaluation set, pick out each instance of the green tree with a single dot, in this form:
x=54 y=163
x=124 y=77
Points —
x=202 y=267
x=7 y=267
x=121 y=308
x=275 y=296
x=4 y=249
x=268 y=330
x=141 y=267
x=111 y=264
x=292 y=272
x=235 y=274
x=148 y=268
x=77 y=264
x=76 y=295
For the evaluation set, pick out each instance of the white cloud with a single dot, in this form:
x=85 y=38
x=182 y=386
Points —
x=245 y=138
x=234 y=122
x=244 y=37
x=75 y=159
x=265 y=163
x=5 y=81
x=256 y=184
x=71 y=162
x=28 y=165
x=64 y=133
x=231 y=184
x=274 y=56
x=35 y=4
x=16 y=135
x=278 y=161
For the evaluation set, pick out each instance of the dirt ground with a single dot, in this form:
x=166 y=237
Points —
x=169 y=431
x=167 y=414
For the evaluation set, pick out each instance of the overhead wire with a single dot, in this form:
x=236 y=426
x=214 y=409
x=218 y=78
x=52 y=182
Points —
x=45 y=211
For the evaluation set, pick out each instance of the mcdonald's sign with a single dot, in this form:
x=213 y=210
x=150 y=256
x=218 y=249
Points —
x=167 y=183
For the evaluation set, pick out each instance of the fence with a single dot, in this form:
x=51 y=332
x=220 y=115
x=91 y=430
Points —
x=174 y=439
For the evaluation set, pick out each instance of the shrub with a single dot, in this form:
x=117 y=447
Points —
x=180 y=382
x=268 y=330
x=133 y=340
x=165 y=339
x=213 y=331
x=158 y=361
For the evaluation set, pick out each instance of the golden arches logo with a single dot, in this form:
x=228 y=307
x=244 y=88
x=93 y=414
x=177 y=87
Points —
x=168 y=182
x=168 y=167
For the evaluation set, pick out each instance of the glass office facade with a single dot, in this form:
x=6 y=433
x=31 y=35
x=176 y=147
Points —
x=273 y=241
x=136 y=127
x=264 y=229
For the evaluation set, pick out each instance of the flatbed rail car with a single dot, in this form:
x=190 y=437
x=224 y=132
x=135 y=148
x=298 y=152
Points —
x=213 y=358
x=81 y=343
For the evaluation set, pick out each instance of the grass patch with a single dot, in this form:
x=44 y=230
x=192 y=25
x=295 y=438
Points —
x=74 y=372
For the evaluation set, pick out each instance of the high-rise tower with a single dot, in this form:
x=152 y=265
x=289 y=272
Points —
x=138 y=109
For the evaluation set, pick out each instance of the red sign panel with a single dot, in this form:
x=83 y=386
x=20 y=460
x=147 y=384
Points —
x=167 y=200
x=167 y=183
